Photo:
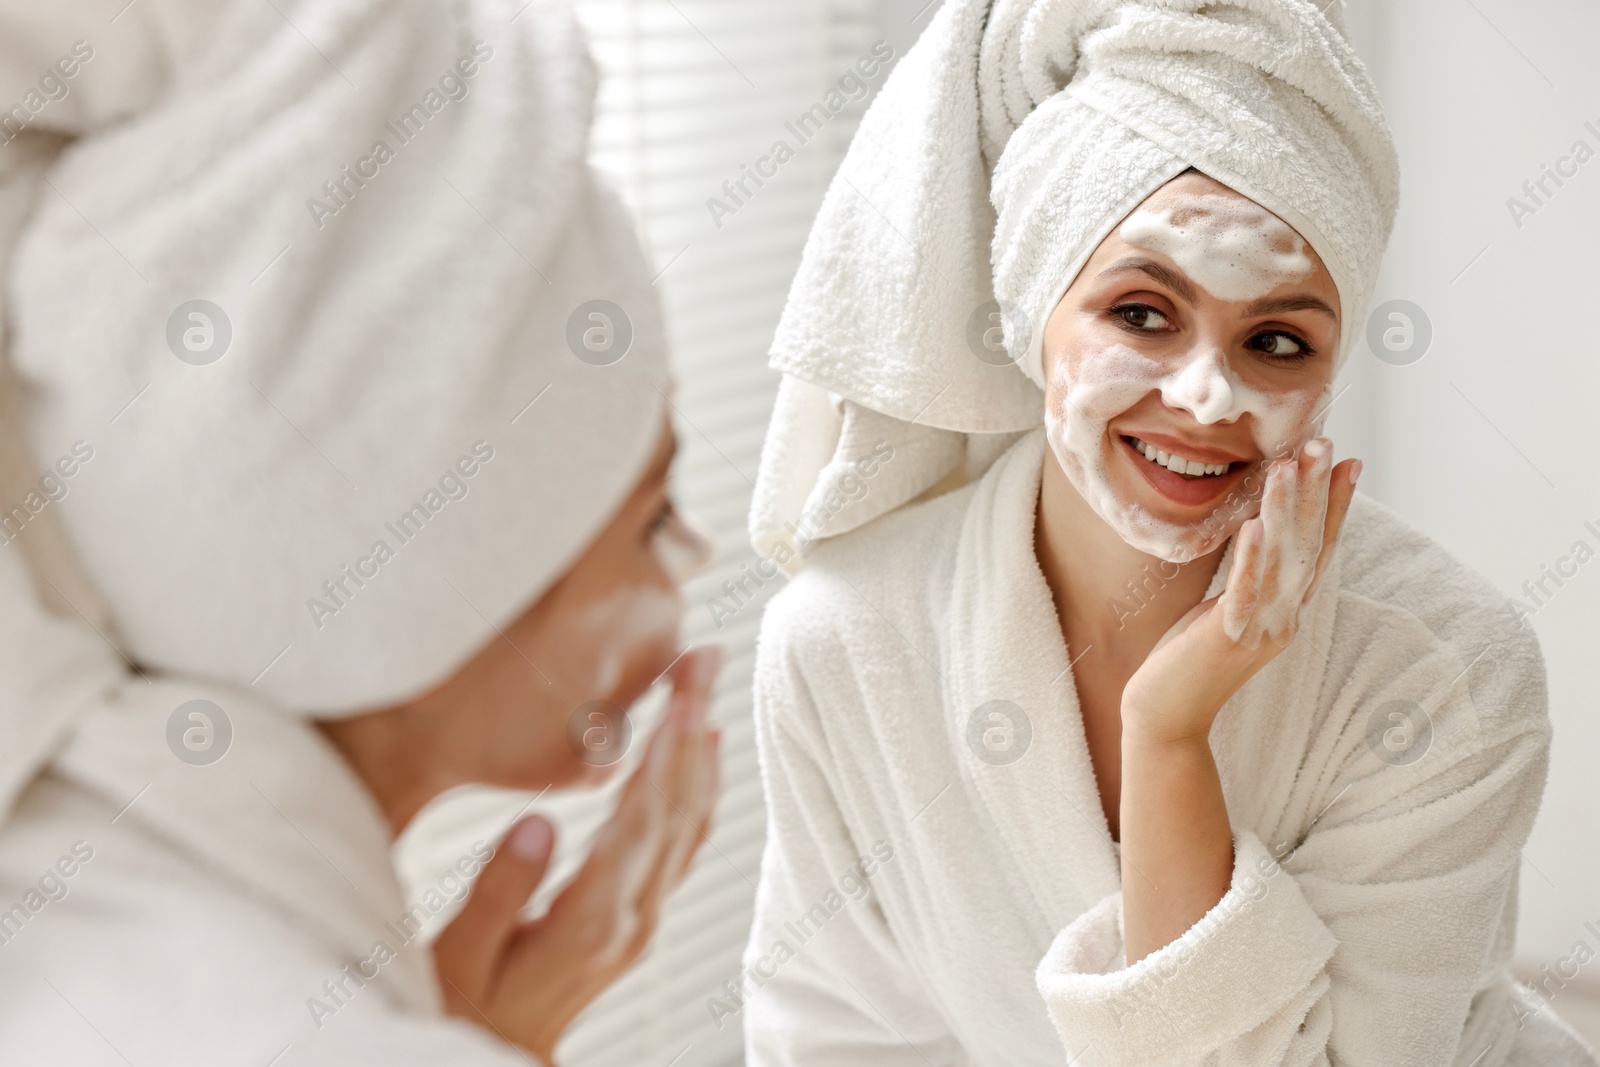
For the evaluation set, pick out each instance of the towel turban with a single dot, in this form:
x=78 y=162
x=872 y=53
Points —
x=1003 y=149
x=397 y=348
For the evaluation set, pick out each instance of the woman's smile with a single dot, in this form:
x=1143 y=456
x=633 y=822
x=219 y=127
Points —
x=1190 y=476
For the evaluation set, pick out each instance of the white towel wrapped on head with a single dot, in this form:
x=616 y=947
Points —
x=1002 y=150
x=372 y=348
x=396 y=316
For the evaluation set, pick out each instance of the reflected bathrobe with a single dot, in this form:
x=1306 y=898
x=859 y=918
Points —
x=226 y=915
x=155 y=911
x=1372 y=908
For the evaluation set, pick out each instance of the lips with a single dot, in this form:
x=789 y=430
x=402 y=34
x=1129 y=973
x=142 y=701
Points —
x=1216 y=472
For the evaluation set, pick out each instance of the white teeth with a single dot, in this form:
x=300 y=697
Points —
x=1177 y=464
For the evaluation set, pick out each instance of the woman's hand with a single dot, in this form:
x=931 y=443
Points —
x=526 y=981
x=1278 y=558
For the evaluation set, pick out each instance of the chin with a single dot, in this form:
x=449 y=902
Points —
x=1150 y=524
x=1169 y=516
x=646 y=663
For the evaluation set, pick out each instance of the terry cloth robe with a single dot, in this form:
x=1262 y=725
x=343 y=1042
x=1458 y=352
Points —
x=155 y=912
x=1372 y=907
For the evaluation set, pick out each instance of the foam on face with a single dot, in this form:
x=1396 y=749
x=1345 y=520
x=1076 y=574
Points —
x=636 y=615
x=1210 y=391
x=1231 y=247
x=684 y=545
x=1090 y=388
x=1235 y=250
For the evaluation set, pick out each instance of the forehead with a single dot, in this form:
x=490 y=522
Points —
x=1207 y=219
x=1208 y=208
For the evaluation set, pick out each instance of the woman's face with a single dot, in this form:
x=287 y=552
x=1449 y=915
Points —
x=549 y=698
x=1196 y=344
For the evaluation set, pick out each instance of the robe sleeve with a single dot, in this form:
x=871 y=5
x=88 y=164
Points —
x=1381 y=938
x=403 y=1039
x=823 y=986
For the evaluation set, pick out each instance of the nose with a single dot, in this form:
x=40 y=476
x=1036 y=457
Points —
x=1204 y=388
x=685 y=546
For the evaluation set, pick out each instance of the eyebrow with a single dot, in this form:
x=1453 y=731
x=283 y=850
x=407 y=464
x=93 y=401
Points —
x=1159 y=271
x=1299 y=302
x=1181 y=285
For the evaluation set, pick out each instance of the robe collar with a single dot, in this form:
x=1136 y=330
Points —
x=281 y=815
x=1005 y=644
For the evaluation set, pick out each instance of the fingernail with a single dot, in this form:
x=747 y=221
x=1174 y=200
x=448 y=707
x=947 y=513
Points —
x=1315 y=448
x=1355 y=471
x=531 y=840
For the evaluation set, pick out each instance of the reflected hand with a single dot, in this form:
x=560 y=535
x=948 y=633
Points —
x=526 y=981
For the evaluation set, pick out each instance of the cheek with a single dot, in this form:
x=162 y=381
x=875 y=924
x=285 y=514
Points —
x=684 y=547
x=613 y=646
x=1090 y=387
x=1286 y=419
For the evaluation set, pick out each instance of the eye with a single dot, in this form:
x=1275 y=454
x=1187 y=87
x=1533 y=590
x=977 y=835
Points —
x=1142 y=317
x=1281 y=345
x=659 y=521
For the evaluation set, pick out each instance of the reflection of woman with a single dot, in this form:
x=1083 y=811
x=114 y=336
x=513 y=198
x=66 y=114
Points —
x=398 y=536
x=1185 y=755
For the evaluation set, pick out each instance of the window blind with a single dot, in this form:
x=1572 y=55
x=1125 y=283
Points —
x=694 y=95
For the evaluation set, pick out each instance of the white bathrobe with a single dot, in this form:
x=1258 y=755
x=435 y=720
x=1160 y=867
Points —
x=158 y=912
x=991 y=934
x=214 y=904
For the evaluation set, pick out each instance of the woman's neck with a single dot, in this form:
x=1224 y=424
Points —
x=1108 y=594
x=383 y=749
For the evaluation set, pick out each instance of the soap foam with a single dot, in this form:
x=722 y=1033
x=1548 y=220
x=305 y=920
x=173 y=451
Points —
x=684 y=545
x=1233 y=248
x=1108 y=381
x=603 y=631
x=599 y=635
x=1209 y=390
x=1295 y=526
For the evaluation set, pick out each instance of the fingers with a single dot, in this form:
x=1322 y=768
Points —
x=1241 y=599
x=605 y=918
x=655 y=829
x=689 y=784
x=694 y=826
x=1275 y=568
x=469 y=948
x=1302 y=510
x=1341 y=491
x=713 y=790
x=644 y=806
x=1277 y=522
x=1311 y=508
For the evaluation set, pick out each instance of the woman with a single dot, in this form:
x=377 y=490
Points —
x=350 y=510
x=1154 y=742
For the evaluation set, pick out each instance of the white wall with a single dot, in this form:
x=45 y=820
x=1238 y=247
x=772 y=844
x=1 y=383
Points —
x=1486 y=442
